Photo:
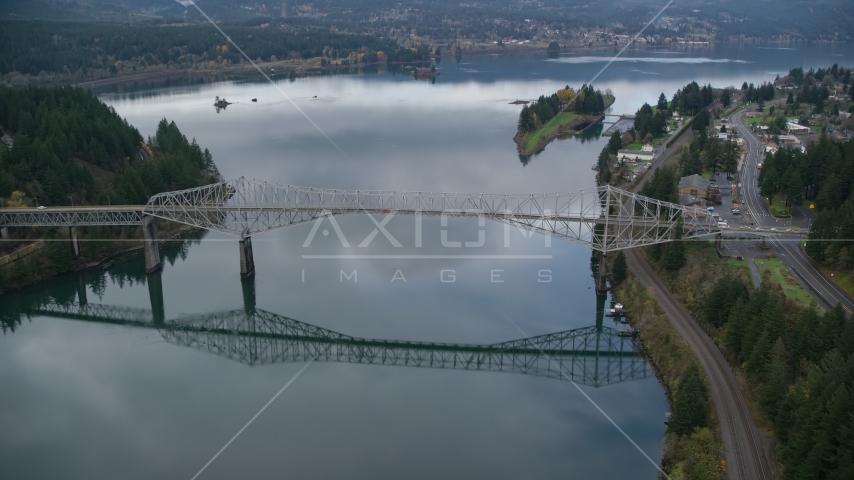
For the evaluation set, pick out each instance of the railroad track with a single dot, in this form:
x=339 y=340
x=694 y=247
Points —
x=738 y=431
x=742 y=446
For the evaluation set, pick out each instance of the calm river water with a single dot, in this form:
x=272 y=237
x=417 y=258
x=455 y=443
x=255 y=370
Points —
x=86 y=398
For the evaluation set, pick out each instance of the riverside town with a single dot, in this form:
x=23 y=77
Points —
x=350 y=239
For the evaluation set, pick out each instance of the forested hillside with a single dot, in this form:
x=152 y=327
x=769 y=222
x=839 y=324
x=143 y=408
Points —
x=67 y=143
x=30 y=47
x=801 y=362
x=827 y=172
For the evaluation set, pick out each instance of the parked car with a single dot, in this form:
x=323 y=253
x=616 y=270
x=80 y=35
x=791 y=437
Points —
x=41 y=207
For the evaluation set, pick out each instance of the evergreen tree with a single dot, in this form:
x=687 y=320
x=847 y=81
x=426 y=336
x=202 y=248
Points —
x=768 y=183
x=615 y=143
x=690 y=404
x=725 y=98
x=57 y=251
x=776 y=379
x=735 y=326
x=662 y=102
x=724 y=295
x=702 y=120
x=676 y=254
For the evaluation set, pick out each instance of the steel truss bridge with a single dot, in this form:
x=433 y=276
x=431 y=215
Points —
x=594 y=356
x=604 y=219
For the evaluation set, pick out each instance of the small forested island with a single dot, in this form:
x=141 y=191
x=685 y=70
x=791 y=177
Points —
x=563 y=112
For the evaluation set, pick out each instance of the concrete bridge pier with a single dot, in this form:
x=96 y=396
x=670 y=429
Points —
x=602 y=277
x=4 y=233
x=155 y=294
x=75 y=243
x=152 y=252
x=247 y=261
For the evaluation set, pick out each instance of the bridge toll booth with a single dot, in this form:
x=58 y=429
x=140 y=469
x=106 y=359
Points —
x=155 y=295
x=247 y=261
x=73 y=241
x=602 y=276
x=152 y=252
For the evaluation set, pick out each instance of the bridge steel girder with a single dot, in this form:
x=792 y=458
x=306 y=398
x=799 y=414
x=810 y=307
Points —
x=71 y=217
x=244 y=207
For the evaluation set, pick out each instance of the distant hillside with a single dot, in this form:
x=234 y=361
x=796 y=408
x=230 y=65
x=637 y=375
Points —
x=781 y=19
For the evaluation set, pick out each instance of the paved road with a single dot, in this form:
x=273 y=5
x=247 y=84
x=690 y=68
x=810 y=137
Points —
x=743 y=448
x=790 y=253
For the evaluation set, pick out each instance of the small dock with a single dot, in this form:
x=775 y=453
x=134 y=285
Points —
x=623 y=124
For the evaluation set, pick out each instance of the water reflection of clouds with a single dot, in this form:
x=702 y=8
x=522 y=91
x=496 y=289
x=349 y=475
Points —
x=643 y=72
x=690 y=60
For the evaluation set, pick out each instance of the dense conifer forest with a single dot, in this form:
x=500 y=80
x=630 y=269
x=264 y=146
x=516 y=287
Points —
x=67 y=143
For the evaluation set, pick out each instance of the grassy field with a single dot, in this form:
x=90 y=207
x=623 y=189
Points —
x=741 y=265
x=560 y=119
x=753 y=121
x=707 y=174
x=655 y=107
x=843 y=279
x=779 y=275
x=777 y=206
x=634 y=146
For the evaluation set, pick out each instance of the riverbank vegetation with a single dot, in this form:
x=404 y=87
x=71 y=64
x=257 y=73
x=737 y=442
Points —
x=692 y=443
x=70 y=149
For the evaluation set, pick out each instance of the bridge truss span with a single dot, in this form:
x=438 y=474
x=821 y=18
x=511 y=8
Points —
x=604 y=218
x=71 y=217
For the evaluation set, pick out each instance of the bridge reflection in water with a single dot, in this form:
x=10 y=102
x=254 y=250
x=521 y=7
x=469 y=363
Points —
x=593 y=356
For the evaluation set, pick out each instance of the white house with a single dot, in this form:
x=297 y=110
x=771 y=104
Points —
x=635 y=156
x=795 y=129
